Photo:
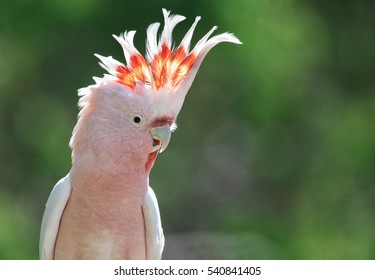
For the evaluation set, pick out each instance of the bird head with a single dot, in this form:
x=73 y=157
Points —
x=143 y=97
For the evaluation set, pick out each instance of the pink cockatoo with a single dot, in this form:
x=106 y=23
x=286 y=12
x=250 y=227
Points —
x=104 y=208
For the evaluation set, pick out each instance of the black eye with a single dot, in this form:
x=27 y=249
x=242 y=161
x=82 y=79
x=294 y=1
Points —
x=137 y=119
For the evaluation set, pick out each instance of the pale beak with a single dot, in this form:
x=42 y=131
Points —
x=162 y=134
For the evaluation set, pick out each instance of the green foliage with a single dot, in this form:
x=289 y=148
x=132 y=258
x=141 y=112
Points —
x=275 y=150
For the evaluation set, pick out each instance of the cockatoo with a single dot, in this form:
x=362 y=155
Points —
x=104 y=208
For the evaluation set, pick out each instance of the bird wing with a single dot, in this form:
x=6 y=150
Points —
x=154 y=231
x=52 y=215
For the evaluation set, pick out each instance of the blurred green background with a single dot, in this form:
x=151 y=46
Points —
x=275 y=151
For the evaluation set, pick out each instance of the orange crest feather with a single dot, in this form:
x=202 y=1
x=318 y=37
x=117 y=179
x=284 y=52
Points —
x=163 y=66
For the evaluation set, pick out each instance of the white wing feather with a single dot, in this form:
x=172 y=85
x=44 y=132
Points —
x=52 y=215
x=154 y=230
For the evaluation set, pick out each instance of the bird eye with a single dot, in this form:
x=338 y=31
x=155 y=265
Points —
x=137 y=119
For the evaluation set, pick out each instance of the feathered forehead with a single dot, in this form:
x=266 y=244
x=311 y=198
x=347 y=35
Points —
x=165 y=69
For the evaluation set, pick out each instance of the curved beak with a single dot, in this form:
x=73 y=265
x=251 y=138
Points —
x=162 y=135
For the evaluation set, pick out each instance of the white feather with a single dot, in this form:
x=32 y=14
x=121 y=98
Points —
x=126 y=40
x=52 y=215
x=202 y=50
x=152 y=41
x=109 y=63
x=154 y=230
x=169 y=23
x=187 y=38
x=201 y=43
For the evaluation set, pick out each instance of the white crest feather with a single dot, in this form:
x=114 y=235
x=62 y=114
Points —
x=151 y=42
x=187 y=38
x=169 y=23
x=126 y=40
x=108 y=63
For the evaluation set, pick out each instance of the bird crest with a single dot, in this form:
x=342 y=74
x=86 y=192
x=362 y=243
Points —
x=164 y=66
